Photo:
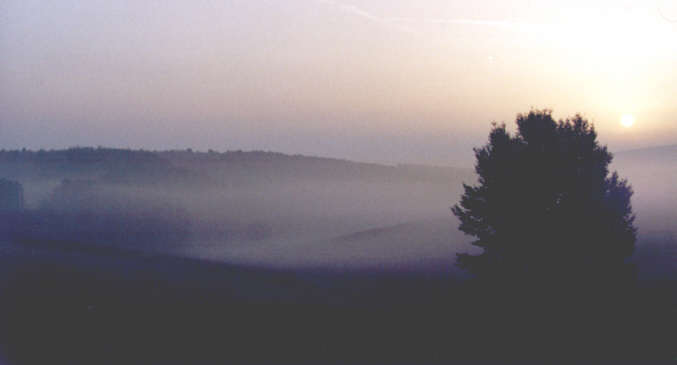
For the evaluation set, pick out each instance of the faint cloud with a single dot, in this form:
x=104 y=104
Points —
x=668 y=10
x=358 y=11
x=399 y=23
x=490 y=23
x=365 y=14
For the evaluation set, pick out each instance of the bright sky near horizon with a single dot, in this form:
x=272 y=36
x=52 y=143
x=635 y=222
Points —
x=387 y=81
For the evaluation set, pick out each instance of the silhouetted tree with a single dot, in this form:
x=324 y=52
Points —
x=11 y=195
x=11 y=208
x=546 y=210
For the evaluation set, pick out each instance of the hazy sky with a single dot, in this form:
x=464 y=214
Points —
x=370 y=80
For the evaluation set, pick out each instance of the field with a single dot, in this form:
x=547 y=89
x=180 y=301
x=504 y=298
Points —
x=268 y=258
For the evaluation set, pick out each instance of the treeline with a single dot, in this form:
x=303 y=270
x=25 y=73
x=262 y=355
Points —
x=239 y=166
x=106 y=164
x=81 y=156
x=188 y=166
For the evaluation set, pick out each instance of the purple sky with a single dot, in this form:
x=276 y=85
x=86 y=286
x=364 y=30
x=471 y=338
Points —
x=381 y=81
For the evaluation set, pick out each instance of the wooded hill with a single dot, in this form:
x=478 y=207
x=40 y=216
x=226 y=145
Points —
x=187 y=166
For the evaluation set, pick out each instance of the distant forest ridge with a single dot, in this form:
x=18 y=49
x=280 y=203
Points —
x=117 y=155
x=184 y=165
x=104 y=155
x=666 y=153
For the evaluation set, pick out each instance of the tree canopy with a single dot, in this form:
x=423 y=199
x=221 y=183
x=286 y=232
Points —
x=546 y=210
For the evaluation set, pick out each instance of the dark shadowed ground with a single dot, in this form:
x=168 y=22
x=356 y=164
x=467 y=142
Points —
x=71 y=304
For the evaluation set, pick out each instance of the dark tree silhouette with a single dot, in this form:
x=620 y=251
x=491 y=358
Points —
x=546 y=211
x=11 y=209
x=11 y=195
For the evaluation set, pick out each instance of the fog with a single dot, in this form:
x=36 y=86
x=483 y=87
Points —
x=653 y=176
x=269 y=209
x=254 y=208
x=140 y=253
x=309 y=220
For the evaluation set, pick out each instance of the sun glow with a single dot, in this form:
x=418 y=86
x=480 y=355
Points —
x=627 y=120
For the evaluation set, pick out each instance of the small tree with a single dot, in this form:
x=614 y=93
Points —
x=546 y=211
x=11 y=208
x=11 y=195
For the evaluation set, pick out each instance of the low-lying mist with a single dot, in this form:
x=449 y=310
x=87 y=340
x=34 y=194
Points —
x=261 y=209
x=653 y=176
x=269 y=209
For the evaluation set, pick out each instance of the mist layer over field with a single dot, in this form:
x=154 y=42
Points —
x=268 y=209
x=252 y=208
x=119 y=256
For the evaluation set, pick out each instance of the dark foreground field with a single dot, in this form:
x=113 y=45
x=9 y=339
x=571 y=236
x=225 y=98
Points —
x=65 y=303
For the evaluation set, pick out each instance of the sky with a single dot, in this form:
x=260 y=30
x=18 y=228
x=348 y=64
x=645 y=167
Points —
x=386 y=81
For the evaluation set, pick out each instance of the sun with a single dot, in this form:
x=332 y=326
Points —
x=627 y=120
